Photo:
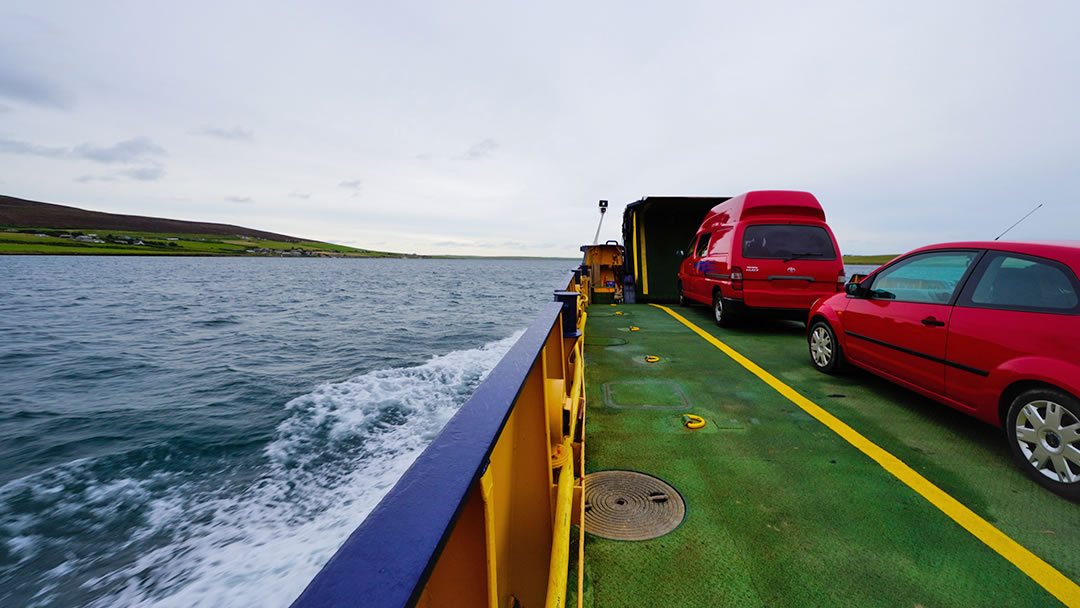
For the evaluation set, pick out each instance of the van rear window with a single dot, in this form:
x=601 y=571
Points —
x=787 y=242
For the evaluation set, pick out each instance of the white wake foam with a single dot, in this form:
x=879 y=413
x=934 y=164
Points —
x=341 y=448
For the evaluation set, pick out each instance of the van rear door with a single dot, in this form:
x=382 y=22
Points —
x=788 y=264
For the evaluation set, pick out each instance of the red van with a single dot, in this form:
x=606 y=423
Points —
x=767 y=251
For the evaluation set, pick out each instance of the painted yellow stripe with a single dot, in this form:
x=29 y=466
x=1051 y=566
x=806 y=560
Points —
x=1030 y=564
x=644 y=263
x=633 y=218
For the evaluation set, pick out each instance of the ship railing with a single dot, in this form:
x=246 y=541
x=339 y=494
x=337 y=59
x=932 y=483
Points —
x=484 y=515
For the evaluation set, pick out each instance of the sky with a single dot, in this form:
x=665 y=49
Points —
x=493 y=128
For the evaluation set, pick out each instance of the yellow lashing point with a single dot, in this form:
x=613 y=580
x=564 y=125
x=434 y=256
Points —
x=651 y=358
x=693 y=422
x=634 y=328
x=560 y=539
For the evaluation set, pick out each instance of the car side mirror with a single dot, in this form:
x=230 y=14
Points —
x=680 y=253
x=853 y=289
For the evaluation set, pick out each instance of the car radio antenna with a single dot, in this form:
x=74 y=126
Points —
x=603 y=210
x=1010 y=227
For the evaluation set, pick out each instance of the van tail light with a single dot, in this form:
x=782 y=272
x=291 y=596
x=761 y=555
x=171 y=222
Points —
x=736 y=278
x=840 y=282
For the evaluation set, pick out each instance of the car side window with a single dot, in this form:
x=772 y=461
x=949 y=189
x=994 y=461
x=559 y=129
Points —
x=1010 y=281
x=702 y=244
x=929 y=278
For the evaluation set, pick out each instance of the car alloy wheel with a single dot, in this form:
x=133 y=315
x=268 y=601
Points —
x=821 y=346
x=1044 y=432
x=824 y=350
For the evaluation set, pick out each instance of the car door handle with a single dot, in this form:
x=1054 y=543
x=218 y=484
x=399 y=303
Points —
x=932 y=322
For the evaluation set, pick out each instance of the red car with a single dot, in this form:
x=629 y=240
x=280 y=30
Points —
x=989 y=328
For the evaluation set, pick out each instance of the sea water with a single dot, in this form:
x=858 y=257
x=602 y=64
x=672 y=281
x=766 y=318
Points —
x=207 y=432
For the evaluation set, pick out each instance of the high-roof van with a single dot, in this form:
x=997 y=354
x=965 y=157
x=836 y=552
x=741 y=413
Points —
x=767 y=251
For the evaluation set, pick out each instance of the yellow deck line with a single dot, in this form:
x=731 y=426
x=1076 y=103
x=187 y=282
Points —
x=1030 y=564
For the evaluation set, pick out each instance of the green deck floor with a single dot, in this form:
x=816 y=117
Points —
x=781 y=511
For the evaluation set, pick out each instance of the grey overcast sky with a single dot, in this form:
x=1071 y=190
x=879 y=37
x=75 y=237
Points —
x=493 y=128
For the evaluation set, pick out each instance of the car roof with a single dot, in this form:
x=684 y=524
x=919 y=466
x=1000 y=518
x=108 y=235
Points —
x=1065 y=251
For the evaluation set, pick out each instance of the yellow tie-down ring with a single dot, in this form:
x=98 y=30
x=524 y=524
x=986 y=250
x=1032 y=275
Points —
x=693 y=422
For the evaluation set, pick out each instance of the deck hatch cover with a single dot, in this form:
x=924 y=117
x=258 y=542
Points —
x=627 y=505
x=645 y=395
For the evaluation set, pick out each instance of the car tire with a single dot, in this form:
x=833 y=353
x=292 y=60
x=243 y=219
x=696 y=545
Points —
x=721 y=314
x=825 y=352
x=682 y=297
x=1042 y=428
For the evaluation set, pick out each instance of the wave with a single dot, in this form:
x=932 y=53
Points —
x=177 y=538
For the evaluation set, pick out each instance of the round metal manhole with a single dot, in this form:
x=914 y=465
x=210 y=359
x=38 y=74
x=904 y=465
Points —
x=627 y=505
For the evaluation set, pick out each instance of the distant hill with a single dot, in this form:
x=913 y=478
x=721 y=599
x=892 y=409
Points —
x=21 y=213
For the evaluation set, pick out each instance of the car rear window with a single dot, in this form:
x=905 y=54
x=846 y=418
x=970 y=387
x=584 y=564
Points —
x=1016 y=282
x=787 y=242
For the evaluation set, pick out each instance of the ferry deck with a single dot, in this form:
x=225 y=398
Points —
x=781 y=509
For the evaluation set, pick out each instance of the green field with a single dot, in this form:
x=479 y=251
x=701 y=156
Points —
x=119 y=242
x=868 y=259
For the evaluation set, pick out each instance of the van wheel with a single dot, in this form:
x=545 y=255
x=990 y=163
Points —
x=825 y=351
x=1043 y=431
x=682 y=297
x=721 y=313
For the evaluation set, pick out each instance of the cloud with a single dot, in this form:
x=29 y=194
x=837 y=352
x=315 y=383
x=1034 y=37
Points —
x=354 y=184
x=235 y=133
x=82 y=179
x=299 y=195
x=130 y=150
x=142 y=174
x=238 y=199
x=13 y=146
x=492 y=245
x=145 y=174
x=32 y=89
x=4 y=108
x=481 y=149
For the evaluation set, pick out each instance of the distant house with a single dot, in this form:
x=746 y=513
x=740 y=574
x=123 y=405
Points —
x=39 y=234
x=84 y=238
x=172 y=238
